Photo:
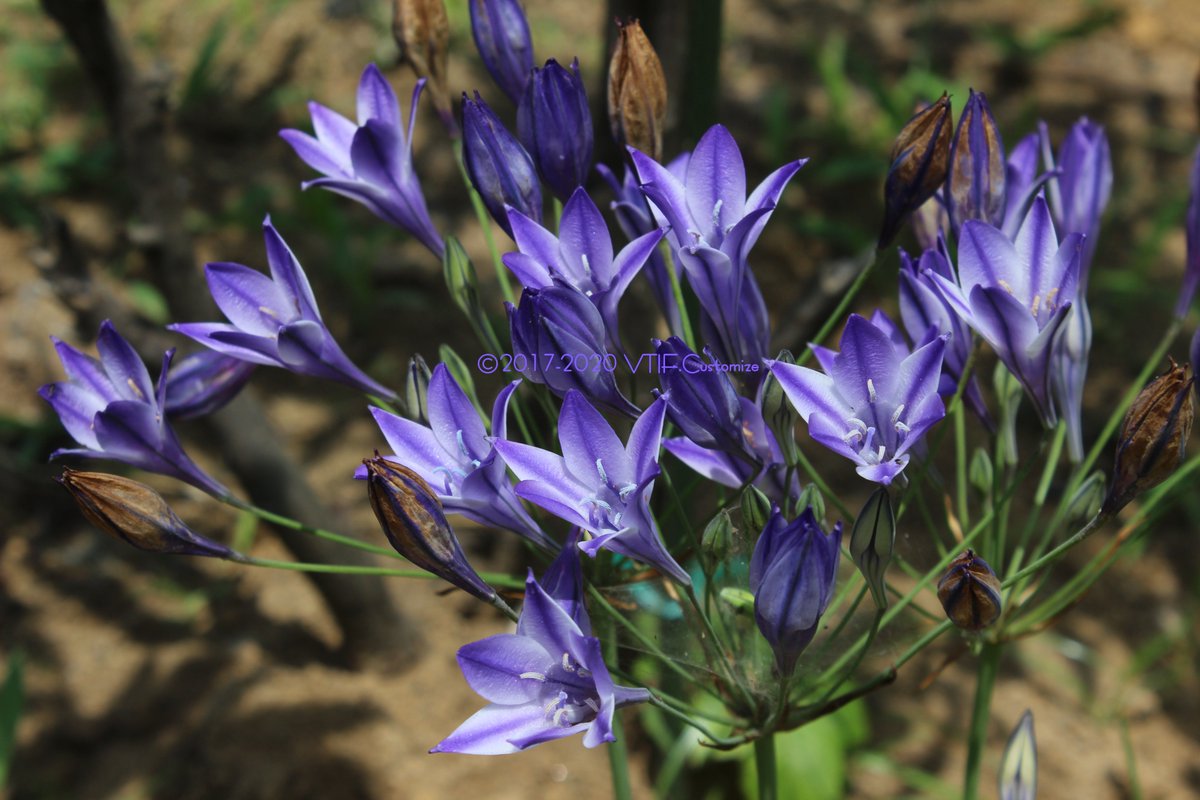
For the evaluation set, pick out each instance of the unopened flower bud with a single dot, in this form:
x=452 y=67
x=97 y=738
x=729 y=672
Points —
x=499 y=167
x=411 y=517
x=872 y=541
x=422 y=32
x=637 y=91
x=778 y=412
x=717 y=540
x=1150 y=444
x=970 y=592
x=920 y=159
x=756 y=509
x=502 y=37
x=555 y=125
x=981 y=473
x=416 y=389
x=463 y=283
x=812 y=498
x=1018 y=768
x=134 y=513
x=203 y=382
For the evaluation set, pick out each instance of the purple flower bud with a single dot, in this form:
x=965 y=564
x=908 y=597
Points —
x=502 y=37
x=920 y=160
x=555 y=125
x=792 y=575
x=975 y=180
x=703 y=404
x=970 y=592
x=499 y=167
x=411 y=517
x=1081 y=191
x=134 y=513
x=559 y=336
x=203 y=382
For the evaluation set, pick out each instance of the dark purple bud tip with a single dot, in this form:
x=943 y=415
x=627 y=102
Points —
x=134 y=513
x=970 y=592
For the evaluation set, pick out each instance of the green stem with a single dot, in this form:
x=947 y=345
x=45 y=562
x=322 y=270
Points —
x=1080 y=535
x=840 y=310
x=989 y=666
x=764 y=764
x=960 y=457
x=485 y=222
x=618 y=749
x=685 y=321
x=320 y=533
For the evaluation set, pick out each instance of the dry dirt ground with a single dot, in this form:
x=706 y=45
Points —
x=174 y=679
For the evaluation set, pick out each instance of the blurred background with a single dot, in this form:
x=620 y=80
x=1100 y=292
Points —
x=148 y=677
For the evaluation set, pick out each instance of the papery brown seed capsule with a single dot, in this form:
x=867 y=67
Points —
x=637 y=91
x=134 y=513
x=970 y=592
x=1151 y=442
x=422 y=32
x=920 y=160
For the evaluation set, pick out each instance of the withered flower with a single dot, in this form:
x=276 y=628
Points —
x=422 y=32
x=920 y=160
x=970 y=592
x=637 y=91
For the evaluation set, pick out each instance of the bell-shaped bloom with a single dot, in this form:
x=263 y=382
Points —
x=457 y=458
x=1016 y=294
x=544 y=682
x=871 y=403
x=922 y=309
x=559 y=339
x=555 y=125
x=920 y=161
x=792 y=575
x=371 y=161
x=133 y=513
x=203 y=382
x=502 y=37
x=598 y=484
x=580 y=256
x=499 y=167
x=110 y=407
x=274 y=320
x=1191 y=275
x=1080 y=189
x=975 y=179
x=714 y=225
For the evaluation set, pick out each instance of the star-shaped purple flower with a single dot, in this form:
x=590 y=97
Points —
x=544 y=682
x=371 y=161
x=457 y=458
x=110 y=407
x=597 y=483
x=871 y=403
x=274 y=320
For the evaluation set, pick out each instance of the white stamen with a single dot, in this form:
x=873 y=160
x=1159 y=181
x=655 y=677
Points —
x=871 y=390
x=902 y=428
x=584 y=673
x=595 y=501
x=590 y=703
x=587 y=267
x=462 y=445
x=135 y=388
x=566 y=662
x=268 y=312
x=533 y=676
x=558 y=717
x=624 y=491
x=600 y=469
x=716 y=220
x=896 y=414
x=1004 y=285
x=617 y=519
x=849 y=436
x=1037 y=301
x=882 y=451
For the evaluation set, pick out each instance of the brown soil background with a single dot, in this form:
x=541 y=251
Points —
x=151 y=677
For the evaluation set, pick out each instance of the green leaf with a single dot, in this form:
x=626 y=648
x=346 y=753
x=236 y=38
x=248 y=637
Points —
x=811 y=761
x=149 y=302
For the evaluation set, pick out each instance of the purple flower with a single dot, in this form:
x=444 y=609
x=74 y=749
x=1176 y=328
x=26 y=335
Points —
x=544 y=682
x=555 y=125
x=975 y=180
x=110 y=407
x=559 y=336
x=457 y=458
x=274 y=320
x=1016 y=294
x=502 y=37
x=714 y=225
x=792 y=575
x=1080 y=190
x=871 y=404
x=580 y=256
x=203 y=382
x=498 y=165
x=597 y=483
x=1191 y=276
x=370 y=162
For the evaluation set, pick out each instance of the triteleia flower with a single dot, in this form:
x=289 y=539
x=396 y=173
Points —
x=559 y=339
x=274 y=320
x=970 y=592
x=1016 y=295
x=792 y=575
x=134 y=513
x=714 y=225
x=412 y=518
x=920 y=160
x=370 y=162
x=597 y=483
x=1081 y=186
x=203 y=382
x=110 y=407
x=637 y=91
x=455 y=456
x=502 y=37
x=1191 y=275
x=581 y=255
x=1018 y=767
x=499 y=167
x=870 y=404
x=544 y=682
x=975 y=177
x=555 y=125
